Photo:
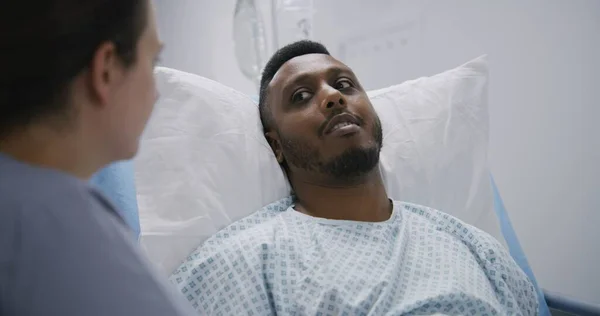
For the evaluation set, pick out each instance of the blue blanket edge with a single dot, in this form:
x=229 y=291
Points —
x=515 y=249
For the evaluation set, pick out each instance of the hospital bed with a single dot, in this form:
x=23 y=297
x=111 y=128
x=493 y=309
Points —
x=117 y=183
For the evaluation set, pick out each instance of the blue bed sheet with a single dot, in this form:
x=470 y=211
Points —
x=515 y=247
x=117 y=183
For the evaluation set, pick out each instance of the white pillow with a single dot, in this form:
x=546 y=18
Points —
x=204 y=162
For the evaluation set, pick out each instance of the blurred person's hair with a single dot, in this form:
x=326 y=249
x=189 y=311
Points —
x=46 y=44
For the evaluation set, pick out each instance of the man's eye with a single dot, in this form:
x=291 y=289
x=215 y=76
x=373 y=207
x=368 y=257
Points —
x=343 y=84
x=301 y=96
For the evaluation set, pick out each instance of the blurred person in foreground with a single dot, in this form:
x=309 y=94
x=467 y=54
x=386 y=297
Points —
x=76 y=90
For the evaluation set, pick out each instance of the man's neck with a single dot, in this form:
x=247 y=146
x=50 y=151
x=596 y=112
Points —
x=364 y=200
x=45 y=147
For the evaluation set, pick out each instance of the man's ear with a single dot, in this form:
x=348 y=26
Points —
x=275 y=143
x=104 y=72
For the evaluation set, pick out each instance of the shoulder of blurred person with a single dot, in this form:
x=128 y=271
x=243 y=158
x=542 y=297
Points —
x=64 y=250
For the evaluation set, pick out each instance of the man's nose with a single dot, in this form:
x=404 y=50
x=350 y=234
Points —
x=333 y=99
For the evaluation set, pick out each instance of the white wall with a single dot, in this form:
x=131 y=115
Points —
x=545 y=65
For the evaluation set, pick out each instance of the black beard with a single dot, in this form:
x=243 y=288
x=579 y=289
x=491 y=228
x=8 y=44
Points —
x=351 y=164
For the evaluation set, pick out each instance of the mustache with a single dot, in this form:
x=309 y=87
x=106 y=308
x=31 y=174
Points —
x=334 y=114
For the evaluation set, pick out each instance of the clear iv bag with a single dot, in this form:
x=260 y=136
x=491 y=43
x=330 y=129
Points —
x=249 y=40
x=292 y=20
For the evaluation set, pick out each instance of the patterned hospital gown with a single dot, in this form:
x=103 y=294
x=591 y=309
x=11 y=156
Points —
x=419 y=262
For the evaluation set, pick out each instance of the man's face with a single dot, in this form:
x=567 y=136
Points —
x=136 y=93
x=324 y=121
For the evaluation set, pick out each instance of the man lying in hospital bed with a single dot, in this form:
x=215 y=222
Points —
x=340 y=246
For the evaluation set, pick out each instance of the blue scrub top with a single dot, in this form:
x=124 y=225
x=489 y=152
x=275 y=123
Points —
x=64 y=250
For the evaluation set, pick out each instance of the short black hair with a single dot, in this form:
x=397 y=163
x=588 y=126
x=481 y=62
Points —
x=299 y=48
x=44 y=47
